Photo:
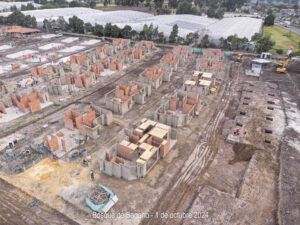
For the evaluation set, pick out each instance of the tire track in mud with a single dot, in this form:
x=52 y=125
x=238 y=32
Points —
x=181 y=191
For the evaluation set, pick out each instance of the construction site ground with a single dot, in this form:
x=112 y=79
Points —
x=213 y=179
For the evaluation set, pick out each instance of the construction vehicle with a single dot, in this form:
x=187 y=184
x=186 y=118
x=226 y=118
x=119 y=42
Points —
x=238 y=57
x=281 y=67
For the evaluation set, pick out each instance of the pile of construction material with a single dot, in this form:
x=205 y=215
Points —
x=99 y=196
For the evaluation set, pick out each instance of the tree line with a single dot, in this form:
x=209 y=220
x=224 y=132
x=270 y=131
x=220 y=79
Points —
x=212 y=8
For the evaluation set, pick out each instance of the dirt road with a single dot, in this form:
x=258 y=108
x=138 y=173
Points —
x=187 y=183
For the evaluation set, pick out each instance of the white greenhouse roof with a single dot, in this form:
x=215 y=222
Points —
x=215 y=28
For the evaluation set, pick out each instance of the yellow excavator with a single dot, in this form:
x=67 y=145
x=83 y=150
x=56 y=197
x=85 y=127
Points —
x=281 y=67
x=239 y=57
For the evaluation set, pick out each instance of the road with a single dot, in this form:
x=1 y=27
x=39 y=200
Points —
x=186 y=185
x=291 y=28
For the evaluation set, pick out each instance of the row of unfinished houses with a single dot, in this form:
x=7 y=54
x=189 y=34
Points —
x=123 y=97
x=138 y=150
x=85 y=70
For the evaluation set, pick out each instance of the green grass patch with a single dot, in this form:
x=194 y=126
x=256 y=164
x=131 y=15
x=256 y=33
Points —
x=282 y=37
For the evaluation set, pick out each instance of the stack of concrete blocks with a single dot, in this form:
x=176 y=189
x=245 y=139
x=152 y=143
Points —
x=169 y=62
x=182 y=52
x=139 y=150
x=178 y=109
x=122 y=99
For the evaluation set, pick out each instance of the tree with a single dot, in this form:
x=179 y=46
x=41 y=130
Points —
x=23 y=7
x=191 y=38
x=186 y=8
x=256 y=37
x=18 y=18
x=88 y=27
x=126 y=32
x=61 y=24
x=107 y=30
x=158 y=4
x=269 y=20
x=173 y=3
x=46 y=25
x=74 y=4
x=98 y=30
x=174 y=34
x=264 y=44
x=106 y=2
x=232 y=5
x=92 y=3
x=296 y=8
x=115 y=31
x=76 y=25
x=161 y=37
x=13 y=8
x=205 y=42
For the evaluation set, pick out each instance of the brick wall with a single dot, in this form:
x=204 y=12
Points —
x=2 y=108
x=125 y=152
x=164 y=149
x=34 y=106
x=52 y=143
x=174 y=103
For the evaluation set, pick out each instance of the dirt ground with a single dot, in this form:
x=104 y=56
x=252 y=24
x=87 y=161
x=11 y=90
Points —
x=206 y=179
